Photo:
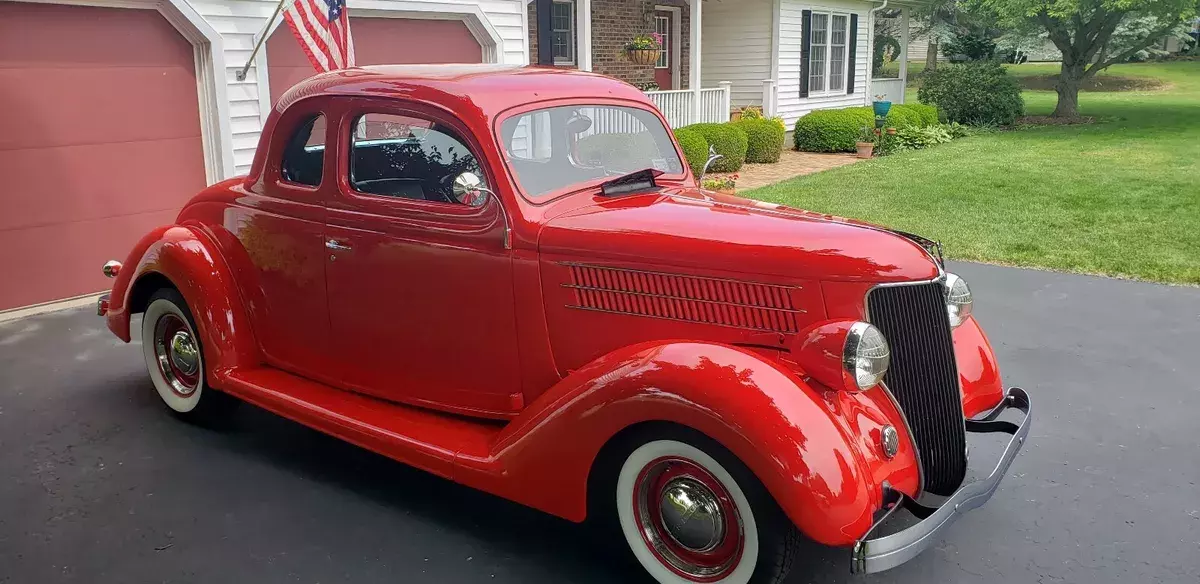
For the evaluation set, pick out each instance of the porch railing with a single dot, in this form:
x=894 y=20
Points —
x=677 y=105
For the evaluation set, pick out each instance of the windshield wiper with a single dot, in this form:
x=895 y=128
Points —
x=638 y=180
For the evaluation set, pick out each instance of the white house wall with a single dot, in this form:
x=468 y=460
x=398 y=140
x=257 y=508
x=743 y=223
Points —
x=789 y=103
x=238 y=21
x=736 y=47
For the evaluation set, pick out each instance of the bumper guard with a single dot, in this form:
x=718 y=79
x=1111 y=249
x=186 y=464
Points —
x=883 y=553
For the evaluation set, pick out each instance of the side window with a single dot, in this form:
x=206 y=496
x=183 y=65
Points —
x=407 y=157
x=304 y=156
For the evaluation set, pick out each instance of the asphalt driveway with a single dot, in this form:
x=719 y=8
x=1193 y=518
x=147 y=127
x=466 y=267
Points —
x=99 y=484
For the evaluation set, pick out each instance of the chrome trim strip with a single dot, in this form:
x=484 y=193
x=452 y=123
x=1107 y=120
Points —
x=784 y=287
x=697 y=322
x=668 y=297
x=883 y=553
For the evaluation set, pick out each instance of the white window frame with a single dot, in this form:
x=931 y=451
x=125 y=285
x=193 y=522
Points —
x=570 y=30
x=846 y=64
x=664 y=52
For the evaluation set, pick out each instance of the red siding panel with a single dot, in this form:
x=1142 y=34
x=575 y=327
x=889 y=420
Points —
x=99 y=141
x=377 y=41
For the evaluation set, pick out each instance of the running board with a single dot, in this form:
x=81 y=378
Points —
x=417 y=437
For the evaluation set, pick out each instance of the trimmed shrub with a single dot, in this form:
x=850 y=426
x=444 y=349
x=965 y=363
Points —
x=764 y=139
x=695 y=148
x=729 y=141
x=979 y=94
x=928 y=114
x=903 y=117
x=834 y=130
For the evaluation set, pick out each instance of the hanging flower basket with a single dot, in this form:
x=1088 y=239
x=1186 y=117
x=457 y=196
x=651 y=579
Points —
x=643 y=49
x=643 y=56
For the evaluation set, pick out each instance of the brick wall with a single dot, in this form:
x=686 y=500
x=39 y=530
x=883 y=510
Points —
x=614 y=23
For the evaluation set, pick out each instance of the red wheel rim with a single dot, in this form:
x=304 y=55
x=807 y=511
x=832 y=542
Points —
x=688 y=519
x=177 y=355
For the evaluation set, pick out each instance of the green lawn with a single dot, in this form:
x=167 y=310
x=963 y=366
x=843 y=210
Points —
x=1118 y=197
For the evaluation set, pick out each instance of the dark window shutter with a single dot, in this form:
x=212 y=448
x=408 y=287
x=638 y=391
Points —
x=545 y=37
x=853 y=53
x=805 y=49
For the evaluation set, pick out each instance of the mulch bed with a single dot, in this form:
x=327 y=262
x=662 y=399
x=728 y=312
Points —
x=1098 y=83
x=1049 y=121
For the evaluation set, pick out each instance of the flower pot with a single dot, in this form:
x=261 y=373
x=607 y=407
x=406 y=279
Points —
x=728 y=191
x=643 y=56
x=882 y=107
x=864 y=149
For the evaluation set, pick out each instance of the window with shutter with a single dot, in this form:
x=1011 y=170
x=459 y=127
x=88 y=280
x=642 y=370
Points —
x=826 y=59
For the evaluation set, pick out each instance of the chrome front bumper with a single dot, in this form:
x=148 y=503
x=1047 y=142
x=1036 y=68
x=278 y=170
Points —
x=883 y=553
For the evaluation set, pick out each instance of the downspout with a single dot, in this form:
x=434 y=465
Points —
x=871 y=49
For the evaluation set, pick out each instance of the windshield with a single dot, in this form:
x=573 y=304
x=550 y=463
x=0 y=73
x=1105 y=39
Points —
x=555 y=148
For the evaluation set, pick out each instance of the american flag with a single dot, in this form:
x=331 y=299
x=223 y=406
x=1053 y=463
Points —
x=323 y=29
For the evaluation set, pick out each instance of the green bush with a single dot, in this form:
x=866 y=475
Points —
x=980 y=94
x=764 y=139
x=729 y=141
x=902 y=117
x=915 y=138
x=695 y=148
x=834 y=130
x=927 y=113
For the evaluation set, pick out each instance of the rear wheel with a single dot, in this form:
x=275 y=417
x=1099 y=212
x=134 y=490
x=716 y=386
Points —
x=175 y=360
x=691 y=512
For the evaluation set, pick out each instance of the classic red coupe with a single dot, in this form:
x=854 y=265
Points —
x=508 y=277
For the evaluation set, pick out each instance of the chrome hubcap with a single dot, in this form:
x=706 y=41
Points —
x=688 y=519
x=184 y=354
x=692 y=515
x=177 y=355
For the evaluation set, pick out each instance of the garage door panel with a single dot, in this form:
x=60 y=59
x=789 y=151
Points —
x=95 y=181
x=66 y=106
x=106 y=145
x=69 y=256
x=105 y=35
x=377 y=41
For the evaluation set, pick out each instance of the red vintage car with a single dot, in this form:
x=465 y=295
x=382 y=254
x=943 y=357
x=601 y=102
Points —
x=508 y=277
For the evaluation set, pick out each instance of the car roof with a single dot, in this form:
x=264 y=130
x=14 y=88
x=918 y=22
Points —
x=489 y=87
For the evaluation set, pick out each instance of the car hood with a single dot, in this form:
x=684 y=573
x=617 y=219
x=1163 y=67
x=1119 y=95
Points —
x=690 y=228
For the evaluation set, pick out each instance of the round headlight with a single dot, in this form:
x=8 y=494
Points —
x=958 y=299
x=866 y=355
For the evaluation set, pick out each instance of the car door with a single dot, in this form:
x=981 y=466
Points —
x=279 y=256
x=420 y=286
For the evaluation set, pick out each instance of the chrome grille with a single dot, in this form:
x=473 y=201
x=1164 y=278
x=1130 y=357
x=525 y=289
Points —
x=923 y=377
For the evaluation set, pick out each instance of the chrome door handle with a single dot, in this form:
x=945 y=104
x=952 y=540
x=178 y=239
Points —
x=336 y=245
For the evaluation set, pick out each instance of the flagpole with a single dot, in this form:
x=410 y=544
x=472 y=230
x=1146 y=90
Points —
x=241 y=75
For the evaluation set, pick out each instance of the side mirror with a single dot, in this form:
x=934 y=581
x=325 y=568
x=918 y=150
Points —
x=712 y=157
x=469 y=190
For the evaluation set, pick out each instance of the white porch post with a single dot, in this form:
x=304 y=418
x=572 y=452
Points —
x=768 y=97
x=694 y=59
x=903 y=52
x=583 y=34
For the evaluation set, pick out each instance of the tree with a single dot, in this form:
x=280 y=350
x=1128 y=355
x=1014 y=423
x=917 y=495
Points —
x=1092 y=34
x=936 y=23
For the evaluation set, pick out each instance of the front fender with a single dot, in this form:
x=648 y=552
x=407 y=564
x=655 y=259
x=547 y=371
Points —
x=190 y=261
x=790 y=434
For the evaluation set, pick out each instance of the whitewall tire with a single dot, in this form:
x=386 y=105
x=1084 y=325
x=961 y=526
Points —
x=174 y=358
x=690 y=512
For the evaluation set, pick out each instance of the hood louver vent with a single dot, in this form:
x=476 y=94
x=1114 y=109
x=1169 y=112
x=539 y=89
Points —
x=733 y=303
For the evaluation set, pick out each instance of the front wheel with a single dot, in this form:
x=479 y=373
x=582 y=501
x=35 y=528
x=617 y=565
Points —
x=693 y=514
x=175 y=360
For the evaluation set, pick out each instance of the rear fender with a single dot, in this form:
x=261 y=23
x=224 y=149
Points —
x=190 y=262
x=779 y=426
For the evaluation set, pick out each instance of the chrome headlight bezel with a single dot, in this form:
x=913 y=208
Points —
x=865 y=356
x=958 y=300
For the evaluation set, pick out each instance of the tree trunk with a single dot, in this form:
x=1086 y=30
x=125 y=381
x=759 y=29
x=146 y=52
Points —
x=1070 y=78
x=931 y=55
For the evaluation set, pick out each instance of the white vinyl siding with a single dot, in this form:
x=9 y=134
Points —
x=736 y=47
x=239 y=21
x=789 y=104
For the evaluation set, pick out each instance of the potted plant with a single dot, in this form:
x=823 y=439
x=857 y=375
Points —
x=866 y=141
x=881 y=106
x=643 y=49
x=726 y=184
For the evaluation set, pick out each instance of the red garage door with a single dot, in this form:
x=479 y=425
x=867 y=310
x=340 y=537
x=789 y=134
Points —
x=99 y=142
x=377 y=41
